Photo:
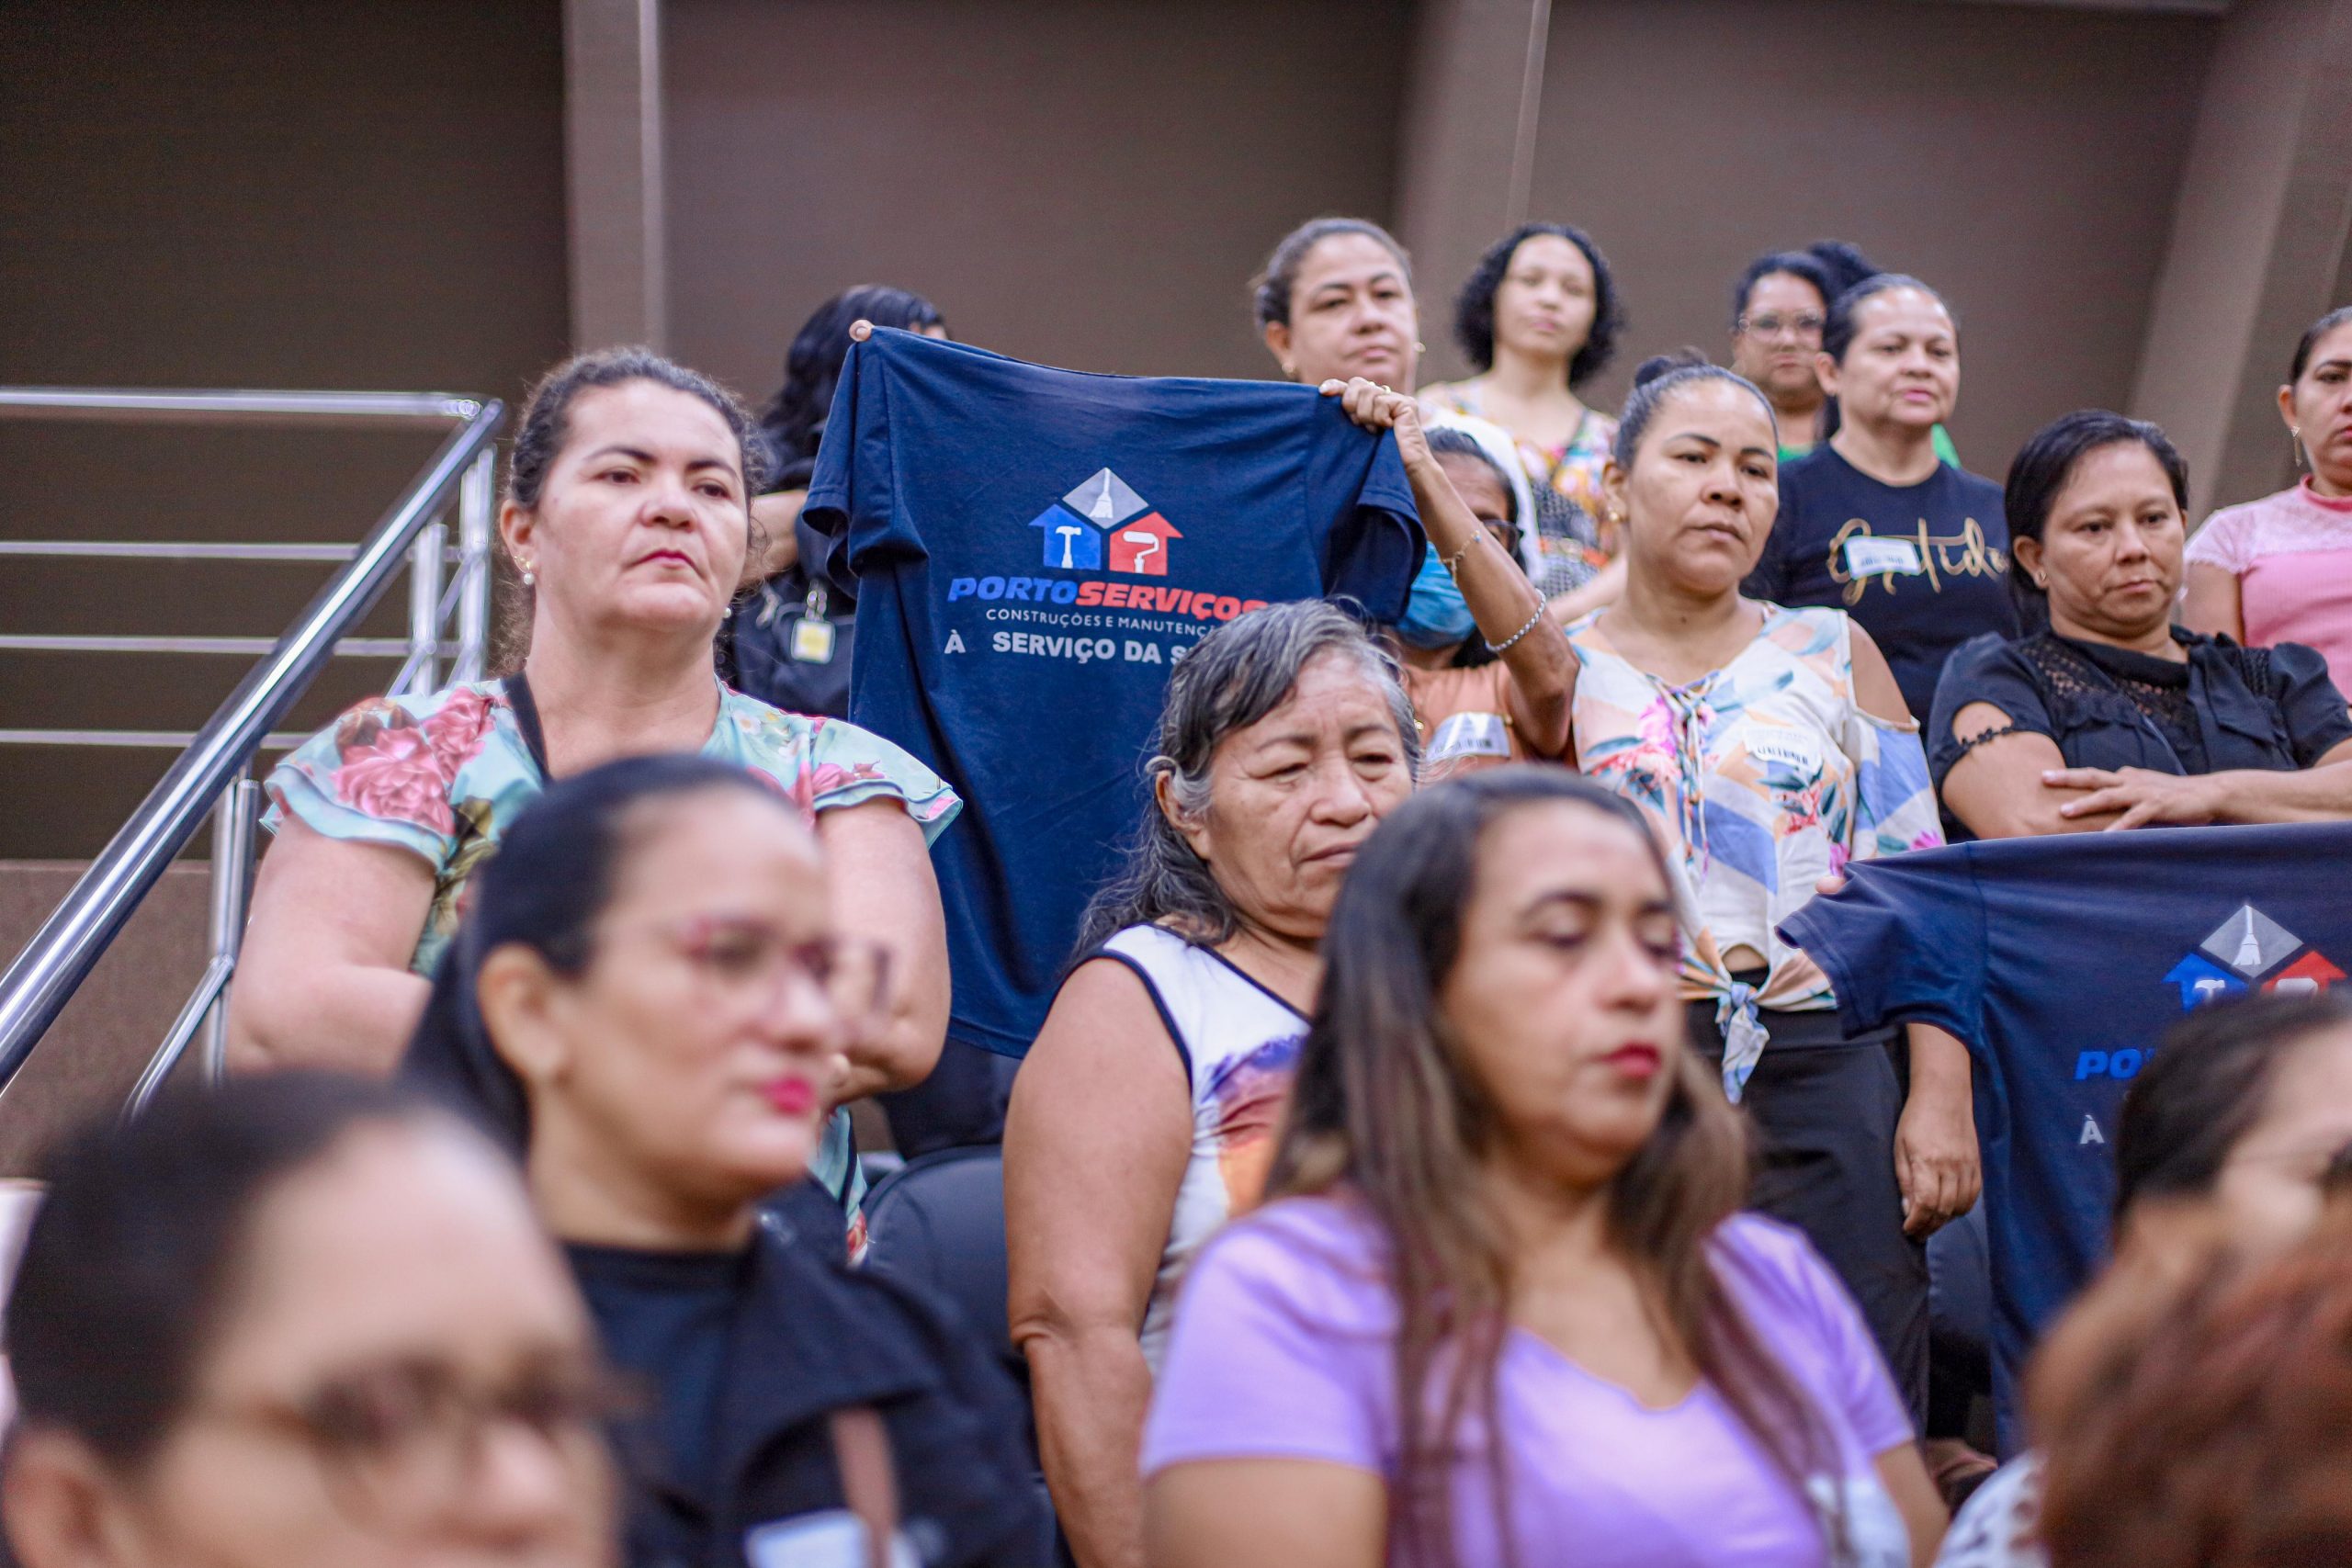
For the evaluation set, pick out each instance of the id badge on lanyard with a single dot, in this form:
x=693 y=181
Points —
x=813 y=635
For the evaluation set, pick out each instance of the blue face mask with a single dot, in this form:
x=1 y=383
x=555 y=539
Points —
x=1436 y=616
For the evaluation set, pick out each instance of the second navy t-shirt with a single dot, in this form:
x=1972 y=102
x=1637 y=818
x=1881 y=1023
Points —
x=2061 y=961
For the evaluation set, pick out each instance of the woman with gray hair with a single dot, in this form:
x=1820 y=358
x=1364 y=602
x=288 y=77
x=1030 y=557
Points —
x=1145 y=1113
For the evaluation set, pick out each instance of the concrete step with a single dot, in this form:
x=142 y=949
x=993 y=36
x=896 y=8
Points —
x=92 y=1056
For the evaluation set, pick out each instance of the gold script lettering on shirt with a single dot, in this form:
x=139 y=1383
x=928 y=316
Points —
x=1964 y=554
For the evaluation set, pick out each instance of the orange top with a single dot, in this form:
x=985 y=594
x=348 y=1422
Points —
x=1465 y=720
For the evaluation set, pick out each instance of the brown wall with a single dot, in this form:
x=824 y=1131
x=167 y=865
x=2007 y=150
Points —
x=1078 y=182
x=2022 y=160
x=1090 y=183
x=244 y=192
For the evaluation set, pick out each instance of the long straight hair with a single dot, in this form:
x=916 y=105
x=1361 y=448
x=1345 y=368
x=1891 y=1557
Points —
x=1385 y=1110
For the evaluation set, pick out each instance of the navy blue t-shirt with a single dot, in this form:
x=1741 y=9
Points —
x=1032 y=548
x=2061 y=961
x=1924 y=568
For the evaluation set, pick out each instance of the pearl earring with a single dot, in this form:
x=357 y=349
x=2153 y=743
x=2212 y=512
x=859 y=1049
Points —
x=528 y=576
x=1290 y=369
x=1420 y=347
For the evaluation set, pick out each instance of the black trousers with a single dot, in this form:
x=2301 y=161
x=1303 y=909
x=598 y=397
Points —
x=1823 y=1107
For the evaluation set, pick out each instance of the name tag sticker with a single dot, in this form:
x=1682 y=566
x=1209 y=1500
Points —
x=833 y=1539
x=1792 y=749
x=1468 y=734
x=1867 y=556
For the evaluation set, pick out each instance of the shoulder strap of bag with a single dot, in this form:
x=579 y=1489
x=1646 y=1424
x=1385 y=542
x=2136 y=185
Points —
x=526 y=719
x=869 y=1478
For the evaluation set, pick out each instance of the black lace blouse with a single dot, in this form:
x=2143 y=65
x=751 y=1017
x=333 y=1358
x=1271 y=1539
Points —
x=2226 y=708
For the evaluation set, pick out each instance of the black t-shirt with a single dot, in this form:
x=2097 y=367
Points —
x=2226 y=708
x=1923 y=567
x=747 y=1356
x=666 y=1319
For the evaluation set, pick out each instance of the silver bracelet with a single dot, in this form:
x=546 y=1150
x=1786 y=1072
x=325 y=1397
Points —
x=1522 y=631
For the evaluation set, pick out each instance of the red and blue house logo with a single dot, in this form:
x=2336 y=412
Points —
x=1104 y=519
x=2246 y=951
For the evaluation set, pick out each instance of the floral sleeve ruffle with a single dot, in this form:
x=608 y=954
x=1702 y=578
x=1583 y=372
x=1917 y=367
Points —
x=846 y=766
x=383 y=773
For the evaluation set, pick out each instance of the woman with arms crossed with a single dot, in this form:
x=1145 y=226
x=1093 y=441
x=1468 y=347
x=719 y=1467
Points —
x=2113 y=716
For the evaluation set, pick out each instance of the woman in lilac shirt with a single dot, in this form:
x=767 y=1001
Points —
x=1509 y=1189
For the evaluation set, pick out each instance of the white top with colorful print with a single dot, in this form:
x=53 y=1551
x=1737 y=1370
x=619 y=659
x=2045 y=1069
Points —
x=444 y=776
x=1240 y=1045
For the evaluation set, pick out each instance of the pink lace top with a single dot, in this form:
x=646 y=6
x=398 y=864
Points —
x=2292 y=554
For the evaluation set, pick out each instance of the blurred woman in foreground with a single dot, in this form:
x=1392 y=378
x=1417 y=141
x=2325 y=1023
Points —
x=1503 y=1304
x=299 y=1320
x=645 y=1005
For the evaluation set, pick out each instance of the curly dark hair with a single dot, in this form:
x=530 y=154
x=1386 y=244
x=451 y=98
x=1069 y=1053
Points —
x=1473 y=308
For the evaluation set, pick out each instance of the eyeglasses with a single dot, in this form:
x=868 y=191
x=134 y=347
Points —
x=400 y=1442
x=1771 y=323
x=749 y=962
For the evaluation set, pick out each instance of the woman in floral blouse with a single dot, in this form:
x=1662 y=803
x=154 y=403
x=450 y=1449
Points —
x=627 y=521
x=1768 y=746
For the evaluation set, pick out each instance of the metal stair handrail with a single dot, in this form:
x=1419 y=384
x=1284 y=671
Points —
x=61 y=955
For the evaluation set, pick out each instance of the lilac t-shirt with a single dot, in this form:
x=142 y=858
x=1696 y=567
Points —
x=1284 y=1345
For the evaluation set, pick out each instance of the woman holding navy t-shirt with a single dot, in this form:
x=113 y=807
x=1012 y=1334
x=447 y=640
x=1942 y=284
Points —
x=1872 y=520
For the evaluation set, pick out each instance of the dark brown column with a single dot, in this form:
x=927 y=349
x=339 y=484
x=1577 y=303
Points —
x=613 y=163
x=2258 y=245
x=1468 y=157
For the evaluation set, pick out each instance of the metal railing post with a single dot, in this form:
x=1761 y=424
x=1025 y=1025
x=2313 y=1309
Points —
x=235 y=823
x=477 y=516
x=44 y=978
x=425 y=562
x=207 y=1008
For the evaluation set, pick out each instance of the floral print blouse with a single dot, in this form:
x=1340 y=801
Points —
x=1758 y=779
x=443 y=776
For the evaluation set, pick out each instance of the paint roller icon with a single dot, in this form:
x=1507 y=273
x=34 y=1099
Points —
x=1147 y=545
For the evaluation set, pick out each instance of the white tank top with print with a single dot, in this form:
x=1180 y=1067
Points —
x=1239 y=1043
